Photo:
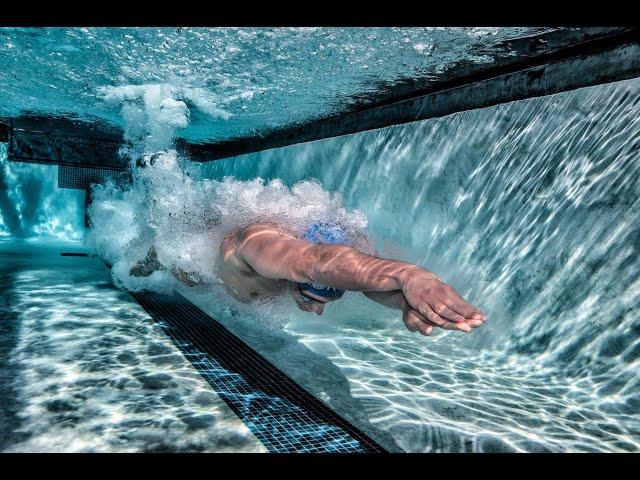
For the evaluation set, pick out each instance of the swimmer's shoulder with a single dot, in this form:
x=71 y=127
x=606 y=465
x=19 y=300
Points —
x=228 y=247
x=257 y=228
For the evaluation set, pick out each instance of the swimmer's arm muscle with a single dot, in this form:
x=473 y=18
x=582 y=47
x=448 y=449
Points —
x=391 y=299
x=277 y=256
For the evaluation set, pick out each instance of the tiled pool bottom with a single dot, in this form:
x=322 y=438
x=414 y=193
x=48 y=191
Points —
x=414 y=394
x=284 y=416
x=85 y=369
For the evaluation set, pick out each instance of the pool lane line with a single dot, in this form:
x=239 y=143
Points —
x=279 y=412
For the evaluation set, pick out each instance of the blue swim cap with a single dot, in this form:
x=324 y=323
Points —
x=327 y=234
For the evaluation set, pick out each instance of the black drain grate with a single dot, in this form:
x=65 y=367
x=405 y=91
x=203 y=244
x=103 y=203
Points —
x=83 y=177
x=280 y=413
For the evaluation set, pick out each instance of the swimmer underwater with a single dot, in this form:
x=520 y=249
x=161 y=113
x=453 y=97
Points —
x=319 y=267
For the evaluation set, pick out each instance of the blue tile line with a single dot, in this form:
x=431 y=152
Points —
x=280 y=424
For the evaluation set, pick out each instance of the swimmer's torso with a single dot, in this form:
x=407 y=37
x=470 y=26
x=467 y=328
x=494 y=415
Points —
x=242 y=281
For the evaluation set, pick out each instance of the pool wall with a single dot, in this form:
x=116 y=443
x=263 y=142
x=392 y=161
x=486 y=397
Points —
x=32 y=205
x=530 y=209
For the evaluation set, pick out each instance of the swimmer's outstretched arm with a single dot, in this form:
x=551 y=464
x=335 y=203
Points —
x=425 y=299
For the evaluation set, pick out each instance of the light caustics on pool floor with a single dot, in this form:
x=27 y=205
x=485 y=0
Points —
x=87 y=370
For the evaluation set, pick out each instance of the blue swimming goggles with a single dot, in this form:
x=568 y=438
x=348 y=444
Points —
x=327 y=234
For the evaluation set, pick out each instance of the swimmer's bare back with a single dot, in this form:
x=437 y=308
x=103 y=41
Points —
x=258 y=260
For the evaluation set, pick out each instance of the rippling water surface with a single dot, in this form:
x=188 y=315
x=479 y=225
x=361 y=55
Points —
x=253 y=79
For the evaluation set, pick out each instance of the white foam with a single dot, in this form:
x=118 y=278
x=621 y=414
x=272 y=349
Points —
x=204 y=101
x=183 y=216
x=154 y=112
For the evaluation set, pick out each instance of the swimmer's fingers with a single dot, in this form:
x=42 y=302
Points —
x=475 y=323
x=444 y=323
x=412 y=319
x=465 y=323
x=465 y=326
x=468 y=311
x=460 y=306
x=446 y=312
x=416 y=322
x=435 y=301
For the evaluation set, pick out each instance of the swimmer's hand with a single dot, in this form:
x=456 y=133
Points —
x=146 y=267
x=430 y=302
x=190 y=279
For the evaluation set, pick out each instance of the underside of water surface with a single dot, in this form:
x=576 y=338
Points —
x=529 y=209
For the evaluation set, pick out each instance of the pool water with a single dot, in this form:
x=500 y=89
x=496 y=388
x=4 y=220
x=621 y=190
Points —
x=236 y=81
x=85 y=369
x=529 y=209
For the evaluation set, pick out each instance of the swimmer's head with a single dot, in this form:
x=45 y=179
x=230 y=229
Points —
x=327 y=234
